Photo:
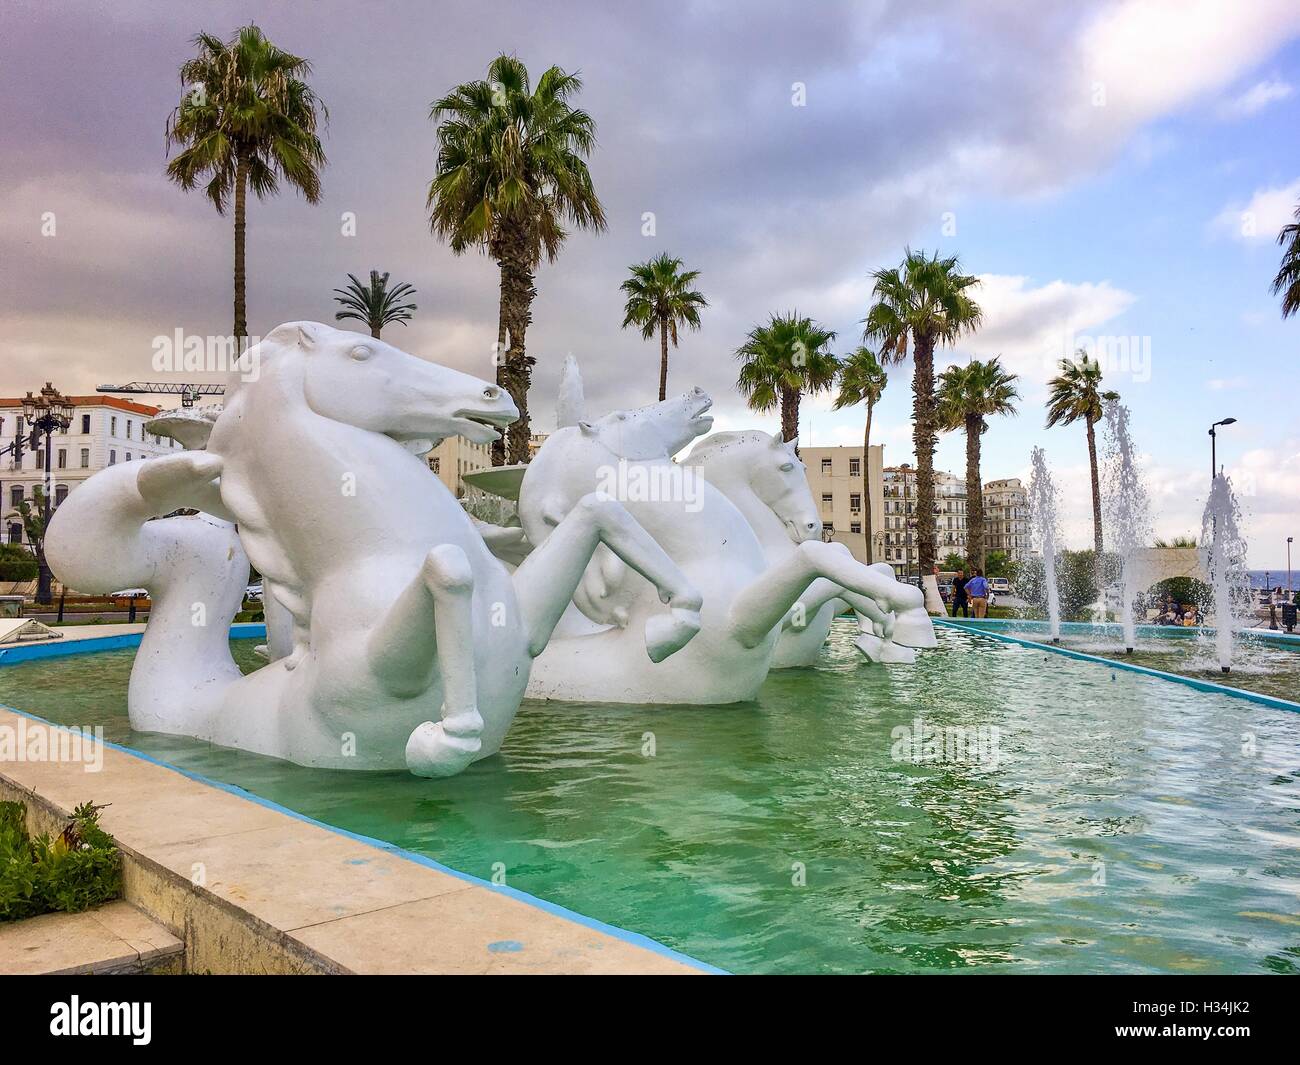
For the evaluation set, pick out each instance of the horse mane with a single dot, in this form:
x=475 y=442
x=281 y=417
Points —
x=715 y=446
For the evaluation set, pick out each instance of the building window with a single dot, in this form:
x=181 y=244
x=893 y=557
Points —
x=829 y=526
x=855 y=467
x=112 y=426
x=128 y=455
x=435 y=463
x=40 y=458
x=60 y=493
x=826 y=465
x=63 y=458
x=855 y=526
x=855 y=502
x=85 y=423
x=15 y=533
x=85 y=458
x=15 y=495
x=827 y=499
x=112 y=457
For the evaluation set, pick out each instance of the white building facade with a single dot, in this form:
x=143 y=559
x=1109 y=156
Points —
x=105 y=430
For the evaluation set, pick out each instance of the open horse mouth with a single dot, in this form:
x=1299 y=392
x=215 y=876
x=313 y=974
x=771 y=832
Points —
x=701 y=420
x=481 y=427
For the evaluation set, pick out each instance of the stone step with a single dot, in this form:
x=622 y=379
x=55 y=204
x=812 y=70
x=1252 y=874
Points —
x=115 y=938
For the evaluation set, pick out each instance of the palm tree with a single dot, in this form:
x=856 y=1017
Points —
x=1287 y=282
x=967 y=396
x=782 y=360
x=863 y=380
x=1073 y=394
x=247 y=119
x=660 y=297
x=375 y=304
x=924 y=301
x=511 y=170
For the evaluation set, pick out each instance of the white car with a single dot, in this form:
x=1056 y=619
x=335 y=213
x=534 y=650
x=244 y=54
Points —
x=254 y=592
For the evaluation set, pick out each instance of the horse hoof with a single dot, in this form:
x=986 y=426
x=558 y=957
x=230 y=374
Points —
x=913 y=628
x=666 y=634
x=895 y=653
x=432 y=751
x=869 y=644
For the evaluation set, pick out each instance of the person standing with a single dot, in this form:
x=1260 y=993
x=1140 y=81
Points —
x=959 y=599
x=977 y=590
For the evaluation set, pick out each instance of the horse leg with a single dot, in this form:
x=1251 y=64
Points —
x=546 y=580
x=762 y=605
x=433 y=619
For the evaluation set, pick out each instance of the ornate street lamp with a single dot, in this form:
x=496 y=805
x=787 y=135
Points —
x=45 y=413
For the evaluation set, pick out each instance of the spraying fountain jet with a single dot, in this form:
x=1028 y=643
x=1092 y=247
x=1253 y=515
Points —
x=1223 y=556
x=1127 y=514
x=1043 y=522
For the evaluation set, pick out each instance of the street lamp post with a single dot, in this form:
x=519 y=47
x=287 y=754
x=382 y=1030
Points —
x=45 y=413
x=1214 y=466
x=1288 y=565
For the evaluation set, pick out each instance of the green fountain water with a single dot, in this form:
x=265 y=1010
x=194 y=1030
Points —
x=1123 y=824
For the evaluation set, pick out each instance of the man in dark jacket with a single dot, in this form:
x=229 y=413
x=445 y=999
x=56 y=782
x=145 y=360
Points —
x=959 y=600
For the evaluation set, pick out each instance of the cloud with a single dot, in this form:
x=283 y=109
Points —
x=1256 y=98
x=1223 y=384
x=1260 y=218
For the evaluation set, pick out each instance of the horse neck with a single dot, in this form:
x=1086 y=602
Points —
x=733 y=484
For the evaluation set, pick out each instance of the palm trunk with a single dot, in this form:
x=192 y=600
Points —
x=663 y=359
x=374 y=331
x=498 y=360
x=923 y=438
x=241 y=221
x=517 y=299
x=1096 y=490
x=974 y=493
x=790 y=414
x=866 y=482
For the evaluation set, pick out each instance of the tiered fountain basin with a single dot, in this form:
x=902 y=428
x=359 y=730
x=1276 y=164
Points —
x=1266 y=665
x=1099 y=820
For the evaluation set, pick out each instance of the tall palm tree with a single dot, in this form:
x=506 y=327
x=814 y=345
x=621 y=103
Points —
x=511 y=171
x=863 y=380
x=924 y=302
x=967 y=396
x=660 y=297
x=1287 y=282
x=375 y=304
x=1074 y=394
x=246 y=119
x=782 y=360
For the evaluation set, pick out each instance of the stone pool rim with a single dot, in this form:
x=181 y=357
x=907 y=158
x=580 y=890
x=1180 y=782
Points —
x=252 y=630
x=978 y=627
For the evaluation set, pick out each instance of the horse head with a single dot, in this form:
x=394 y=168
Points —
x=768 y=467
x=658 y=430
x=361 y=381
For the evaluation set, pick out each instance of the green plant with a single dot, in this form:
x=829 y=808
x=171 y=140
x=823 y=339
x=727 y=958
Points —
x=1075 y=394
x=16 y=563
x=375 y=304
x=79 y=868
x=660 y=297
x=783 y=360
x=863 y=380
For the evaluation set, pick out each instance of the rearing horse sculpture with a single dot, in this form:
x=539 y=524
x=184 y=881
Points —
x=413 y=643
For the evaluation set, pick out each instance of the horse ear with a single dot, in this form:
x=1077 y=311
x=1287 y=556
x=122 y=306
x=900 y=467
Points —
x=304 y=334
x=587 y=428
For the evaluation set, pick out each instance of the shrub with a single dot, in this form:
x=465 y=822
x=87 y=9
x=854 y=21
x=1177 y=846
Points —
x=78 y=869
x=17 y=563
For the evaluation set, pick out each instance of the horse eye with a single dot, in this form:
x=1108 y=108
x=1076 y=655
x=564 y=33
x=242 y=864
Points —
x=361 y=353
x=787 y=467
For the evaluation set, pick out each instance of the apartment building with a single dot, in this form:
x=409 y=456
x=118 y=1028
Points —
x=105 y=430
x=454 y=457
x=1006 y=518
x=842 y=490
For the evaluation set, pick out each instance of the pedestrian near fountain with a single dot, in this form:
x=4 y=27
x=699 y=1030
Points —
x=959 y=597
x=977 y=589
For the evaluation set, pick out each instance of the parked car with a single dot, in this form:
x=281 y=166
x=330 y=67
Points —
x=254 y=592
x=1000 y=585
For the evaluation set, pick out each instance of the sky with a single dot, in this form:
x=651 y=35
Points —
x=1114 y=172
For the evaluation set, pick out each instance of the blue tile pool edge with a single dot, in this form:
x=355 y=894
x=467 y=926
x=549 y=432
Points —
x=109 y=643
x=1271 y=701
x=25 y=652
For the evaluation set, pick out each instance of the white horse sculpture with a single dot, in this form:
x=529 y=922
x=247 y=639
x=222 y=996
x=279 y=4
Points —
x=413 y=644
x=764 y=477
x=746 y=597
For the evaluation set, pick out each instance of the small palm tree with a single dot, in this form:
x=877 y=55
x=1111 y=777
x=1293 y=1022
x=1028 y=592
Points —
x=782 y=360
x=967 y=396
x=660 y=298
x=247 y=119
x=924 y=302
x=375 y=304
x=863 y=380
x=1287 y=282
x=1073 y=394
x=511 y=171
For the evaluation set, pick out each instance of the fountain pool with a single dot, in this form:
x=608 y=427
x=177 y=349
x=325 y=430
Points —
x=1105 y=821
